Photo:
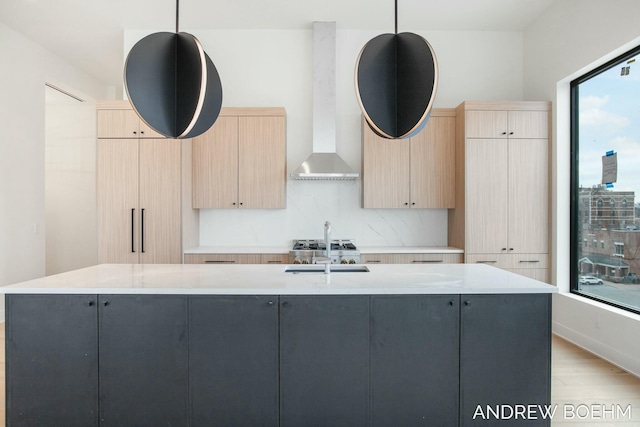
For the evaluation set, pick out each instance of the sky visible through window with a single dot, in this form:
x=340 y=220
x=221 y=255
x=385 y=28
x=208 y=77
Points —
x=610 y=120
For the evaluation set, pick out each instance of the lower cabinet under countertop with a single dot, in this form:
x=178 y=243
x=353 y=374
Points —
x=325 y=360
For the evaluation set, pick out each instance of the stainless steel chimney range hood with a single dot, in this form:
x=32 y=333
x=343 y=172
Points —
x=324 y=163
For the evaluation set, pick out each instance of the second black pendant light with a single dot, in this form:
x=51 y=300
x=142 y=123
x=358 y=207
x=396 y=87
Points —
x=172 y=84
x=396 y=77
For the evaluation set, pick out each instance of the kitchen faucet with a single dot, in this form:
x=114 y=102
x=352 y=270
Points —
x=326 y=260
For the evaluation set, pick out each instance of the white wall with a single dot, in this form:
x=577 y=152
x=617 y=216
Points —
x=70 y=183
x=574 y=36
x=25 y=69
x=273 y=68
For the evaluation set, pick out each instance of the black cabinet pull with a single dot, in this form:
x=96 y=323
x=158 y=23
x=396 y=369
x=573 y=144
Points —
x=510 y=249
x=272 y=261
x=504 y=249
x=413 y=203
x=133 y=246
x=234 y=203
x=510 y=133
x=374 y=261
x=486 y=262
x=426 y=261
x=450 y=302
x=222 y=261
x=105 y=303
x=504 y=133
x=406 y=204
x=91 y=303
x=467 y=302
x=241 y=203
x=531 y=261
x=142 y=231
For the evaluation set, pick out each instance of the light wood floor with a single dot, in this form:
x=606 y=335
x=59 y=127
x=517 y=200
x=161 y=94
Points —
x=578 y=378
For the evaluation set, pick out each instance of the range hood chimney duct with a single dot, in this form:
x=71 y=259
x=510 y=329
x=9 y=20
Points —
x=324 y=163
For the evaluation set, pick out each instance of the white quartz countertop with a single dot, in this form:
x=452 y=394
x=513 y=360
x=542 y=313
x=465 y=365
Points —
x=286 y=249
x=262 y=279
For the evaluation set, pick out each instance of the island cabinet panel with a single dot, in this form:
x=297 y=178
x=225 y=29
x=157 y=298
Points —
x=414 y=360
x=143 y=366
x=233 y=361
x=505 y=356
x=324 y=361
x=52 y=360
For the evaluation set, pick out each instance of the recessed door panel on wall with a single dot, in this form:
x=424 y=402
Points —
x=160 y=231
x=117 y=200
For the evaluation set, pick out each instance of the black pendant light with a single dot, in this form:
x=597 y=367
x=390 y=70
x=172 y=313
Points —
x=396 y=78
x=172 y=84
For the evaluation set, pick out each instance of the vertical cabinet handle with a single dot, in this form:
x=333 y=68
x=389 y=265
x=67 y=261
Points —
x=133 y=246
x=142 y=231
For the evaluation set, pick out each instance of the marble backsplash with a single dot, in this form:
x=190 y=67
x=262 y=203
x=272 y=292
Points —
x=309 y=205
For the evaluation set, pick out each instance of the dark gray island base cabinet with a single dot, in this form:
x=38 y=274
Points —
x=352 y=360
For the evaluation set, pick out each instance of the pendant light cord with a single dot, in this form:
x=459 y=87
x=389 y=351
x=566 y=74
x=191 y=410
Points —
x=396 y=16
x=177 y=14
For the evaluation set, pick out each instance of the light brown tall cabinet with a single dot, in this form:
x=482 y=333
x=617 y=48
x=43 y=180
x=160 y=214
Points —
x=416 y=172
x=139 y=190
x=502 y=180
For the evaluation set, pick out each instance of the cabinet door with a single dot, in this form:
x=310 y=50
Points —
x=52 y=360
x=143 y=360
x=118 y=124
x=414 y=360
x=433 y=164
x=233 y=361
x=324 y=354
x=505 y=355
x=529 y=195
x=117 y=200
x=529 y=124
x=385 y=171
x=486 y=196
x=215 y=165
x=262 y=167
x=486 y=124
x=160 y=184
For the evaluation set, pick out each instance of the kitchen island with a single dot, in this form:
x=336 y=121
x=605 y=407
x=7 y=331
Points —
x=206 y=345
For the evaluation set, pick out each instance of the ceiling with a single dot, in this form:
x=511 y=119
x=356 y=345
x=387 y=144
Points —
x=89 y=33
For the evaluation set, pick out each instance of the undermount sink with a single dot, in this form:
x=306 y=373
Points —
x=319 y=268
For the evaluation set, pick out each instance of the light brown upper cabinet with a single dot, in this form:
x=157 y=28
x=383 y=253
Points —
x=417 y=172
x=241 y=161
x=123 y=123
x=139 y=186
x=503 y=170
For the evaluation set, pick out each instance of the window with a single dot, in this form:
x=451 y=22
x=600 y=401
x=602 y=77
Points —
x=605 y=132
